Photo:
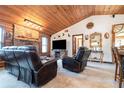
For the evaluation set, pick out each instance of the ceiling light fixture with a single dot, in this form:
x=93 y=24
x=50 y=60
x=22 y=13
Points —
x=33 y=24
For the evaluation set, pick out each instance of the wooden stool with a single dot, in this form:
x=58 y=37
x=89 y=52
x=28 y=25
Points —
x=118 y=69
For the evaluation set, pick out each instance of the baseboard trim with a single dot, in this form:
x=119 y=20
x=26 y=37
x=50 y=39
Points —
x=108 y=62
x=103 y=62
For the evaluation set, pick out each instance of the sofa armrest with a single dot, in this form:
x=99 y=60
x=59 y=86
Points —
x=45 y=73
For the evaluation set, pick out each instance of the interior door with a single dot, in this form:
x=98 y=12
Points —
x=77 y=41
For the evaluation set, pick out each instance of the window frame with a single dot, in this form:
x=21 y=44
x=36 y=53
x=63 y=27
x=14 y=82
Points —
x=2 y=37
x=47 y=45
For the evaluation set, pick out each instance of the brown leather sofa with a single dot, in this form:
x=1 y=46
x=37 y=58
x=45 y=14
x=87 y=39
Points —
x=25 y=64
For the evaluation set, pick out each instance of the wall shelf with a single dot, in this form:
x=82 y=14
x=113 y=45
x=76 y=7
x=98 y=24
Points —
x=26 y=39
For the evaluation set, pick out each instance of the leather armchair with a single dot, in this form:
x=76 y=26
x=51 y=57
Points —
x=77 y=63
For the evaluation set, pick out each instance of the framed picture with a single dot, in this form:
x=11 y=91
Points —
x=8 y=35
x=90 y=25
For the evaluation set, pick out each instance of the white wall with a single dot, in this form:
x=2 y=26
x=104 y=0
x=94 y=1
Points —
x=102 y=24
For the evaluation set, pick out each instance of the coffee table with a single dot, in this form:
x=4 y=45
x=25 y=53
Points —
x=45 y=59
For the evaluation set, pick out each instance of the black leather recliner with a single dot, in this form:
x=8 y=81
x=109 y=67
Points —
x=24 y=62
x=77 y=63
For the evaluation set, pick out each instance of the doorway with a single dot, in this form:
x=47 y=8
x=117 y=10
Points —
x=77 y=41
x=118 y=36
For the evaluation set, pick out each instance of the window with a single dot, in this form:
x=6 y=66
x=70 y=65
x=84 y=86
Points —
x=44 y=44
x=1 y=37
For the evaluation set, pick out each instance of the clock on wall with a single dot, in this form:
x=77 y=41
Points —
x=90 y=25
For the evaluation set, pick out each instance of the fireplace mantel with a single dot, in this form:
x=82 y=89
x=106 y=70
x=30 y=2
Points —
x=59 y=53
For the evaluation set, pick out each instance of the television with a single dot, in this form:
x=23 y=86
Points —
x=59 y=44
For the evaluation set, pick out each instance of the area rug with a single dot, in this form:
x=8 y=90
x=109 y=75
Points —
x=95 y=75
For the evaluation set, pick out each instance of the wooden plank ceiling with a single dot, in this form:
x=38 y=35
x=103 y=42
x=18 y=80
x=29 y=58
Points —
x=57 y=17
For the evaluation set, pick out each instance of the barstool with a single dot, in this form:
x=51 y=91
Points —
x=118 y=69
